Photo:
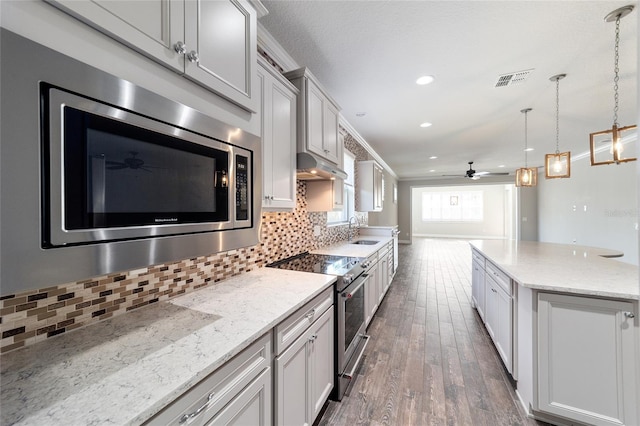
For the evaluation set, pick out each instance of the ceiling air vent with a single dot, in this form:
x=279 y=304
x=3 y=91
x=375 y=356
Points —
x=513 y=78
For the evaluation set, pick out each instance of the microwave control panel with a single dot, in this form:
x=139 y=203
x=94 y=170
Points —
x=242 y=187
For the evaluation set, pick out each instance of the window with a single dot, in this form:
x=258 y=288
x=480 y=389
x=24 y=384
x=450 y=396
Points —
x=348 y=209
x=454 y=206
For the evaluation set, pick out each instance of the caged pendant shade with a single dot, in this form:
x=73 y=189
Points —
x=557 y=165
x=526 y=176
x=617 y=136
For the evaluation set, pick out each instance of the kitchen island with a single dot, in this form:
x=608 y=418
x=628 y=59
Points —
x=124 y=370
x=564 y=321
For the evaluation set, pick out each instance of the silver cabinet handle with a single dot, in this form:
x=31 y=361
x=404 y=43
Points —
x=199 y=410
x=310 y=315
x=180 y=48
x=629 y=314
x=193 y=56
x=313 y=337
x=271 y=197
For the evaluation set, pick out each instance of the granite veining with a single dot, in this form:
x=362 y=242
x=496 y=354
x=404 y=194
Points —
x=563 y=268
x=123 y=370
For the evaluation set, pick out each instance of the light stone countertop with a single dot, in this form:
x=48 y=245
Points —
x=563 y=267
x=124 y=370
x=347 y=248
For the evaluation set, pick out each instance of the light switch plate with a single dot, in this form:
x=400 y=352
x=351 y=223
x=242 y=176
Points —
x=316 y=230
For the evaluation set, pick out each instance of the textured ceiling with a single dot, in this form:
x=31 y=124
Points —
x=368 y=55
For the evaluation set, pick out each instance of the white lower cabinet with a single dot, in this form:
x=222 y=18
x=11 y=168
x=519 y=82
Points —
x=478 y=286
x=586 y=359
x=238 y=393
x=305 y=374
x=499 y=320
x=371 y=291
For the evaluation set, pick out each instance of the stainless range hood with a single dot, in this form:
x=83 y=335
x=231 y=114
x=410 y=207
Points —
x=311 y=167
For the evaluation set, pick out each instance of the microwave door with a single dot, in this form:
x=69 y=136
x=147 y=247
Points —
x=98 y=181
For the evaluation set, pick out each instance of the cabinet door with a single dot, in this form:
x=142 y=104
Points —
x=338 y=193
x=330 y=145
x=322 y=359
x=278 y=120
x=220 y=36
x=370 y=296
x=498 y=320
x=315 y=124
x=384 y=275
x=251 y=407
x=378 y=183
x=586 y=359
x=477 y=288
x=292 y=384
x=152 y=27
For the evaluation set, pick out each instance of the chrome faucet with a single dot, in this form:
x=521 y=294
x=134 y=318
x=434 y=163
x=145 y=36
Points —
x=349 y=231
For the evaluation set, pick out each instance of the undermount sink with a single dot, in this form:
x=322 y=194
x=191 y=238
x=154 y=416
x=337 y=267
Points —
x=365 y=242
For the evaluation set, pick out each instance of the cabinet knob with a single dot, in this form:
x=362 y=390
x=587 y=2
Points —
x=313 y=337
x=629 y=314
x=193 y=56
x=180 y=48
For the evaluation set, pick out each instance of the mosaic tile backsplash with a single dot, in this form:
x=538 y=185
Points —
x=32 y=316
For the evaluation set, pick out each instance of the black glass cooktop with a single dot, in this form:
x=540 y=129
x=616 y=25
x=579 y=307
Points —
x=319 y=263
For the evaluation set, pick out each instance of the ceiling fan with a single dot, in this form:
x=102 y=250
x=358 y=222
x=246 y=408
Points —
x=474 y=175
x=132 y=162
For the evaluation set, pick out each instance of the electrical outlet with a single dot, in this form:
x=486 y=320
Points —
x=316 y=230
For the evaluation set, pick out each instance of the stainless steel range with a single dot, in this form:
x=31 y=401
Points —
x=350 y=288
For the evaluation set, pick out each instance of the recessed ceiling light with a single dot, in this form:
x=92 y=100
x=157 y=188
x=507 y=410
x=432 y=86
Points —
x=501 y=165
x=529 y=149
x=425 y=79
x=432 y=170
x=433 y=157
x=360 y=114
x=425 y=125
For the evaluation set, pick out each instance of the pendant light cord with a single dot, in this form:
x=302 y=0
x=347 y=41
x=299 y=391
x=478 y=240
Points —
x=525 y=139
x=616 y=69
x=558 y=115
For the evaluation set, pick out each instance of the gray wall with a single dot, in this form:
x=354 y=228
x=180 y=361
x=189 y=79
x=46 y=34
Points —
x=597 y=206
x=528 y=212
x=389 y=214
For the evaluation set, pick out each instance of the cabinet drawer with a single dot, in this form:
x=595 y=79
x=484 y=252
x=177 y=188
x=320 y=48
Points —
x=220 y=387
x=296 y=324
x=477 y=257
x=500 y=277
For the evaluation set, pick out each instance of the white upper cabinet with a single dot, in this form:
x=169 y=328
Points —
x=221 y=48
x=278 y=128
x=317 y=118
x=369 y=186
x=212 y=42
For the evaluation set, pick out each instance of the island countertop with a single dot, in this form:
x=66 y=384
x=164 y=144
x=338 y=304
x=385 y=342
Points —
x=563 y=268
x=123 y=370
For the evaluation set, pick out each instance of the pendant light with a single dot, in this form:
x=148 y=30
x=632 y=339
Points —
x=614 y=137
x=557 y=165
x=526 y=176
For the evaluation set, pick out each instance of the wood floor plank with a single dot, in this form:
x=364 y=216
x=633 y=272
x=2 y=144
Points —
x=430 y=360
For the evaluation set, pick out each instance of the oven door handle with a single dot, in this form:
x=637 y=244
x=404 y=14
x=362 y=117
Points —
x=348 y=294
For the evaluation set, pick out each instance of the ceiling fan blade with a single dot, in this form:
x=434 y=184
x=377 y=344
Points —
x=116 y=166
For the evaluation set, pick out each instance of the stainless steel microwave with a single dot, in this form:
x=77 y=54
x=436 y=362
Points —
x=112 y=174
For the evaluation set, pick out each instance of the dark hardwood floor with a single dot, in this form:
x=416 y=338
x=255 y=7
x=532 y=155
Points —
x=430 y=360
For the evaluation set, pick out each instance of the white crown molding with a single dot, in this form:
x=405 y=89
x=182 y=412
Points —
x=275 y=51
x=358 y=137
x=259 y=7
